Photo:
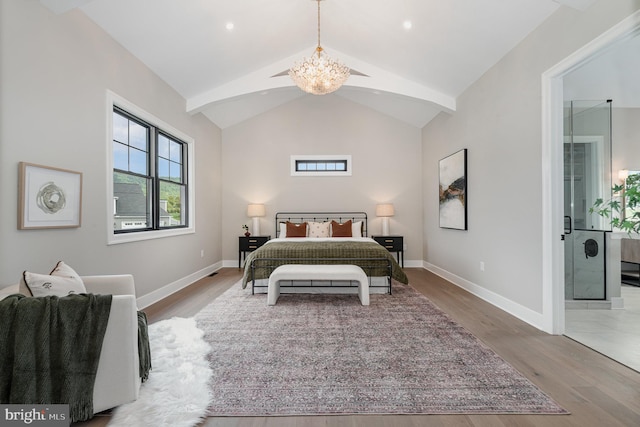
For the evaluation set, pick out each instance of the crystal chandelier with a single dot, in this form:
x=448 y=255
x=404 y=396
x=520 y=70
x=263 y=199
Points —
x=319 y=74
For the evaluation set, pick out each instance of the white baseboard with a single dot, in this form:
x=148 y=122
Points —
x=167 y=290
x=230 y=263
x=617 y=303
x=523 y=313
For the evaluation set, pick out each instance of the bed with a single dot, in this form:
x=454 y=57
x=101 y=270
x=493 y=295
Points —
x=322 y=238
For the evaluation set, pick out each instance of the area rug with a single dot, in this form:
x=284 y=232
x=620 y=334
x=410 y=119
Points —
x=328 y=354
x=177 y=392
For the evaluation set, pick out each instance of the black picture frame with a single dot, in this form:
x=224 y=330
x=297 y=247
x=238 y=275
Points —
x=452 y=176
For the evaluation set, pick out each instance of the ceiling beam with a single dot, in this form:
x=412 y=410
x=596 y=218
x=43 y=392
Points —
x=576 y=4
x=374 y=79
x=61 y=6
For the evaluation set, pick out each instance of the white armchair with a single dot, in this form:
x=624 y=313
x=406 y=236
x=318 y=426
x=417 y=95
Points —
x=117 y=380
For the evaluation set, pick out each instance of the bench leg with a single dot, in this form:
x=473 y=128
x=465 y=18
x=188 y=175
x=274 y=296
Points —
x=363 y=291
x=273 y=292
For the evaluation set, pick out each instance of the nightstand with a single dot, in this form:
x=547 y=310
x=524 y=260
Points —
x=249 y=244
x=393 y=244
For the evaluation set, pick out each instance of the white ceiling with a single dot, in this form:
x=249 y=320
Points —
x=411 y=74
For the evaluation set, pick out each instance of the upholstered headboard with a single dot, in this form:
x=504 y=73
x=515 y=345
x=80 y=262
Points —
x=321 y=217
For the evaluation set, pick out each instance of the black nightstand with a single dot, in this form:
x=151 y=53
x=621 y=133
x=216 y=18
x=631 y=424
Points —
x=393 y=244
x=249 y=244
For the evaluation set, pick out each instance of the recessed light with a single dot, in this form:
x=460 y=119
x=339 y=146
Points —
x=407 y=25
x=229 y=26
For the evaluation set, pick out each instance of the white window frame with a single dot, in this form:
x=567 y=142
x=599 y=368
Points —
x=116 y=100
x=329 y=157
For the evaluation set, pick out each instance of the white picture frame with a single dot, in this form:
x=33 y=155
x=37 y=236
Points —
x=48 y=197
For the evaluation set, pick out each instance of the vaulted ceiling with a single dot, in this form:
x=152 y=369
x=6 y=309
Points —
x=415 y=56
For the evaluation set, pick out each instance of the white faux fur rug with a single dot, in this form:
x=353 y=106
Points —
x=177 y=392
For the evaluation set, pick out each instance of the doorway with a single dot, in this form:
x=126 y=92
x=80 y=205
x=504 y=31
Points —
x=553 y=167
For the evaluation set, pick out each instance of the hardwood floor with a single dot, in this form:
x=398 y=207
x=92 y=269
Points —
x=595 y=389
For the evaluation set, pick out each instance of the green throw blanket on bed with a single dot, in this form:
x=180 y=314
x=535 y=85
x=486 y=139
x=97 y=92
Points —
x=50 y=348
x=362 y=253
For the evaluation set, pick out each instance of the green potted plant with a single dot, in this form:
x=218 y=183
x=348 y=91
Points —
x=627 y=199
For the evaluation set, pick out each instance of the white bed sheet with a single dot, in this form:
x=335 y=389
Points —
x=320 y=239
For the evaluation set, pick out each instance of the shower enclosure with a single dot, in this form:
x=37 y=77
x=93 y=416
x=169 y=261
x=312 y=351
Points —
x=587 y=177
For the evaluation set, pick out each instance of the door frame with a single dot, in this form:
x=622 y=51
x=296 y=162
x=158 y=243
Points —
x=552 y=167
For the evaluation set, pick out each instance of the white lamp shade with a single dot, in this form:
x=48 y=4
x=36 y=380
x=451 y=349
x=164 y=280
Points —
x=623 y=174
x=384 y=210
x=255 y=210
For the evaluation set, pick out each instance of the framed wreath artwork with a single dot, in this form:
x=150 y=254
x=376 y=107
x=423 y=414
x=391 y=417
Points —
x=48 y=197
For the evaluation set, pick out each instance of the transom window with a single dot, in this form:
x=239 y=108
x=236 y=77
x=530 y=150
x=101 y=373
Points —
x=327 y=165
x=321 y=165
x=150 y=186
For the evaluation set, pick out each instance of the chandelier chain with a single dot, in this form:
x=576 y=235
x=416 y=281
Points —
x=319 y=49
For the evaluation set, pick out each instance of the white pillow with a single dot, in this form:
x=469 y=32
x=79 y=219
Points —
x=318 y=229
x=62 y=281
x=356 y=229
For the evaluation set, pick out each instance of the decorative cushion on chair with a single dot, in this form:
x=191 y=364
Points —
x=62 y=281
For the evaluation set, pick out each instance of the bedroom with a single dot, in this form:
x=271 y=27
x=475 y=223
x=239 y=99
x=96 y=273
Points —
x=41 y=90
x=53 y=116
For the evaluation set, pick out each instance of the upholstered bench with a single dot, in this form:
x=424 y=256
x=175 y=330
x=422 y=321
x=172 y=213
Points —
x=317 y=272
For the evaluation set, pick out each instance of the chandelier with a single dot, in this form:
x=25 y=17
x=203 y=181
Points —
x=319 y=74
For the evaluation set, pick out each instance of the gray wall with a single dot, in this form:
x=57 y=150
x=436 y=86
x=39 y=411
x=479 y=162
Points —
x=499 y=120
x=54 y=75
x=625 y=135
x=385 y=153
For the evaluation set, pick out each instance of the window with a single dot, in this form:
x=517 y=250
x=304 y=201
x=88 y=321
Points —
x=328 y=165
x=151 y=180
x=321 y=165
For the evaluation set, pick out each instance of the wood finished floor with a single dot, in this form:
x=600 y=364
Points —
x=595 y=389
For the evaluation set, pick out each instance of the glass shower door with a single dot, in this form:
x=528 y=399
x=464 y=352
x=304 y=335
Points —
x=587 y=177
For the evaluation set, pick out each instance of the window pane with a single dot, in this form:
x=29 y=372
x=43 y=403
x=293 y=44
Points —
x=138 y=136
x=342 y=166
x=120 y=128
x=163 y=146
x=176 y=172
x=172 y=200
x=138 y=161
x=176 y=152
x=321 y=166
x=163 y=168
x=331 y=166
x=120 y=156
x=131 y=202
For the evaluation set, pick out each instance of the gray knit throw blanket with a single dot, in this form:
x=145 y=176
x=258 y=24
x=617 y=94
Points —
x=50 y=348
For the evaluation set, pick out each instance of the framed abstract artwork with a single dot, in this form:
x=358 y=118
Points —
x=453 y=191
x=48 y=197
